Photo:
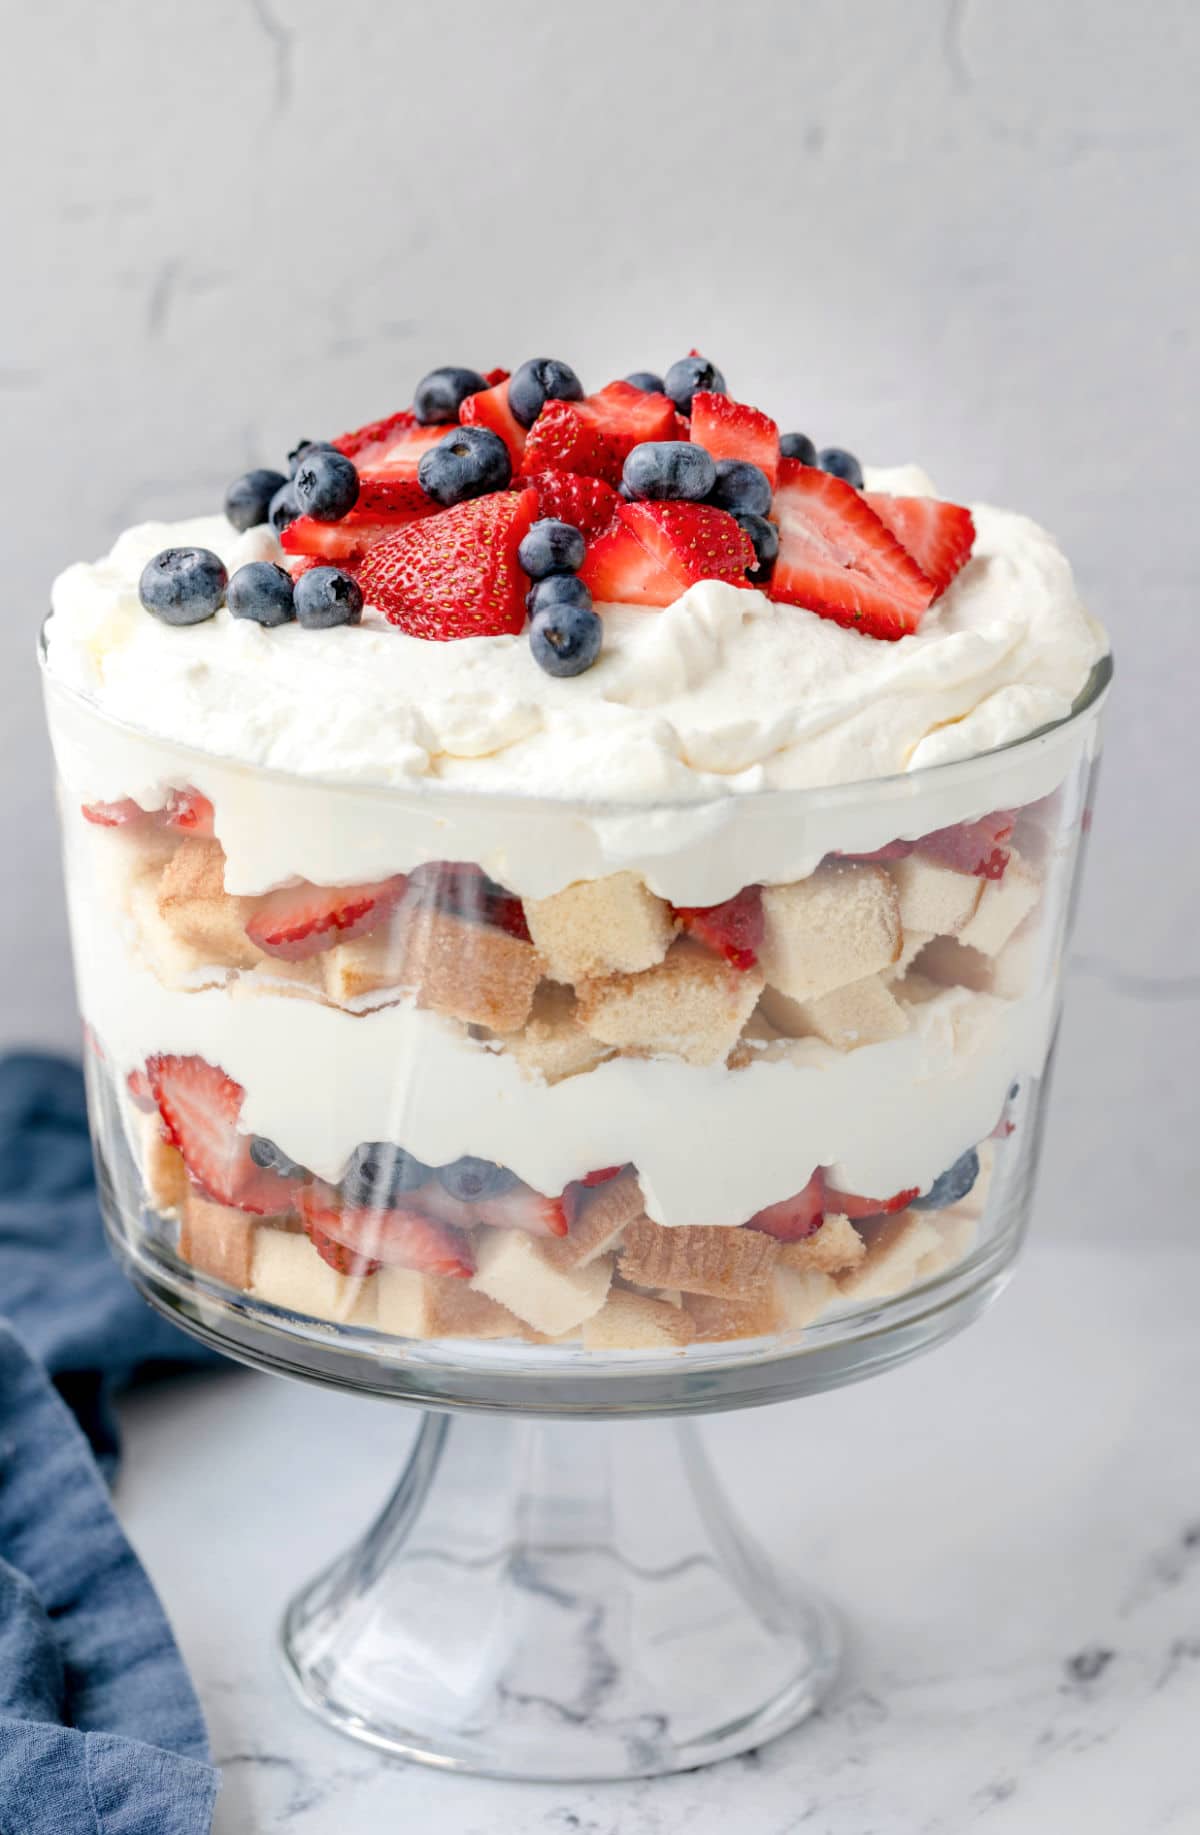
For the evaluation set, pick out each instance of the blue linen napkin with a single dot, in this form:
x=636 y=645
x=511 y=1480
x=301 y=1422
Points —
x=100 y=1729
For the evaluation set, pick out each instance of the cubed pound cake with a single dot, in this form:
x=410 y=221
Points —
x=600 y=927
x=693 y=1005
x=839 y=925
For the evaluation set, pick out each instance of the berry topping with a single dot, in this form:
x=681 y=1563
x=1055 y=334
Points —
x=792 y=1219
x=952 y=1184
x=972 y=847
x=552 y=547
x=189 y=811
x=470 y=1178
x=183 y=585
x=248 y=499
x=200 y=1107
x=440 y=395
x=399 y=1236
x=734 y=929
x=652 y=552
x=261 y=592
x=586 y=503
x=841 y=464
x=564 y=638
x=765 y=537
x=457 y=574
x=384 y=505
x=491 y=410
x=647 y=382
x=326 y=596
x=380 y=1174
x=798 y=446
x=567 y=437
x=691 y=374
x=730 y=430
x=837 y=559
x=557 y=589
x=741 y=488
x=284 y=508
x=299 y=921
x=540 y=380
x=939 y=536
x=661 y=469
x=391 y=447
x=466 y=463
x=325 y=484
x=271 y=1158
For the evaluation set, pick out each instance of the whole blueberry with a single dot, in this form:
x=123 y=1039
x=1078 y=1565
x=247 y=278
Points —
x=326 y=596
x=841 y=464
x=540 y=380
x=741 y=487
x=564 y=638
x=798 y=446
x=284 y=508
x=952 y=1185
x=262 y=592
x=442 y=393
x=183 y=585
x=301 y=450
x=379 y=1174
x=271 y=1158
x=248 y=499
x=468 y=463
x=326 y=484
x=765 y=537
x=471 y=1178
x=552 y=547
x=647 y=382
x=668 y=468
x=558 y=589
x=689 y=375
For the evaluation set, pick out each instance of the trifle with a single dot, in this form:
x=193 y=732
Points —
x=580 y=873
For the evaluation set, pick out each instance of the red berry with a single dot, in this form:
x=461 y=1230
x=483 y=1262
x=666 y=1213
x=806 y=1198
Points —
x=455 y=574
x=389 y=448
x=200 y=1107
x=401 y=1238
x=190 y=811
x=939 y=536
x=837 y=559
x=729 y=429
x=972 y=847
x=851 y=1205
x=567 y=437
x=792 y=1219
x=587 y=503
x=490 y=409
x=692 y=541
x=734 y=929
x=300 y=921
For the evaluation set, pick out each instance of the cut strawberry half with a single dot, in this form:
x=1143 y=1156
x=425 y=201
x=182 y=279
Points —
x=627 y=416
x=338 y=1257
x=490 y=409
x=734 y=929
x=973 y=847
x=384 y=506
x=140 y=1093
x=837 y=559
x=618 y=569
x=679 y=544
x=401 y=1237
x=390 y=447
x=457 y=574
x=200 y=1107
x=587 y=503
x=300 y=921
x=522 y=1208
x=939 y=536
x=728 y=429
x=602 y=1177
x=566 y=436
x=492 y=377
x=792 y=1219
x=116 y=815
x=850 y=1204
x=190 y=811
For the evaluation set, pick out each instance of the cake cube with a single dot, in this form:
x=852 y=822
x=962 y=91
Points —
x=514 y=1270
x=287 y=1271
x=934 y=898
x=1004 y=905
x=164 y=1174
x=724 y=1262
x=895 y=1248
x=193 y=903
x=801 y=1295
x=861 y=1013
x=835 y=1248
x=949 y=962
x=634 y=1322
x=276 y=975
x=553 y=1045
x=175 y=963
x=604 y=1213
x=692 y=1005
x=840 y=924
x=759 y=1042
x=470 y=972
x=218 y=1240
x=411 y=1305
x=715 y=1320
x=600 y=927
x=955 y=1238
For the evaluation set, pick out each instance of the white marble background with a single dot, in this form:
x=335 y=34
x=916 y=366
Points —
x=961 y=230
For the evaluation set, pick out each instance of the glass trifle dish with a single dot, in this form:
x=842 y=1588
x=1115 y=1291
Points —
x=568 y=895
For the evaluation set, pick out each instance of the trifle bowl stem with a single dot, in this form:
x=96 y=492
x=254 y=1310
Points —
x=556 y=1599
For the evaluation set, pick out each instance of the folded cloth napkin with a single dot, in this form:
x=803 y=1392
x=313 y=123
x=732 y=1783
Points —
x=100 y=1729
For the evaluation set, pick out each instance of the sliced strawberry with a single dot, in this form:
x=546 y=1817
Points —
x=573 y=1194
x=728 y=429
x=457 y=574
x=384 y=506
x=602 y=1177
x=490 y=409
x=116 y=815
x=837 y=559
x=734 y=929
x=300 y=921
x=522 y=1208
x=792 y=1219
x=200 y=1107
x=341 y=1259
x=849 y=1204
x=588 y=503
x=401 y=1237
x=972 y=847
x=566 y=436
x=627 y=416
x=390 y=447
x=190 y=811
x=692 y=541
x=492 y=377
x=618 y=569
x=140 y=1093
x=939 y=536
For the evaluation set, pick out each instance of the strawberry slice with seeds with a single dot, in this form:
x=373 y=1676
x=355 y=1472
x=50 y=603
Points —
x=391 y=447
x=973 y=847
x=384 y=505
x=300 y=921
x=522 y=1208
x=728 y=429
x=618 y=569
x=490 y=409
x=792 y=1219
x=692 y=541
x=939 y=536
x=457 y=574
x=851 y=1205
x=734 y=929
x=566 y=436
x=338 y=1257
x=627 y=416
x=116 y=815
x=587 y=503
x=838 y=560
x=190 y=811
x=401 y=1237
x=200 y=1106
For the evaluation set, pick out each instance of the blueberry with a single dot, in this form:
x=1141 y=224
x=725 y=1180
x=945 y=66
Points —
x=741 y=487
x=262 y=592
x=471 y=1178
x=442 y=393
x=953 y=1184
x=301 y=450
x=271 y=1158
x=540 y=380
x=798 y=446
x=183 y=585
x=552 y=547
x=668 y=468
x=468 y=463
x=565 y=638
x=326 y=596
x=558 y=589
x=326 y=484
x=248 y=499
x=689 y=375
x=841 y=464
x=647 y=382
x=379 y=1174
x=765 y=537
x=284 y=508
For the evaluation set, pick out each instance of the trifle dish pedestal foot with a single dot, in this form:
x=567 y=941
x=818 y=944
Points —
x=558 y=1599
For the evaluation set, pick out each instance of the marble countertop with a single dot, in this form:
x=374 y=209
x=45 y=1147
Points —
x=1011 y=1527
